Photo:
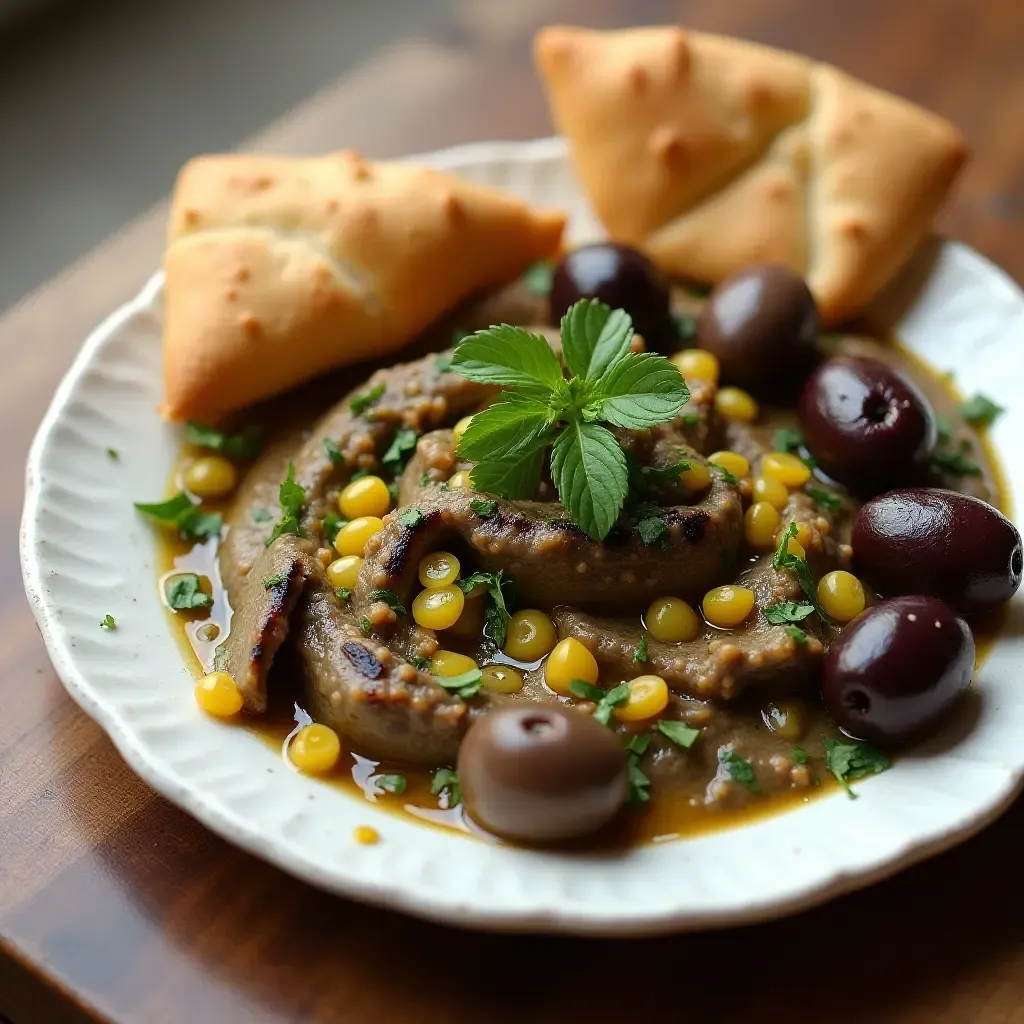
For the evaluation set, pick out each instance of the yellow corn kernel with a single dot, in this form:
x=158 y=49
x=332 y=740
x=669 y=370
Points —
x=732 y=462
x=697 y=478
x=671 y=620
x=760 y=524
x=218 y=695
x=648 y=696
x=794 y=547
x=735 y=404
x=773 y=491
x=451 y=663
x=210 y=477
x=785 y=718
x=502 y=679
x=727 y=606
x=344 y=571
x=841 y=594
x=459 y=429
x=366 y=835
x=461 y=480
x=804 y=533
x=786 y=468
x=352 y=537
x=367 y=496
x=530 y=635
x=438 y=608
x=568 y=661
x=441 y=569
x=696 y=363
x=314 y=749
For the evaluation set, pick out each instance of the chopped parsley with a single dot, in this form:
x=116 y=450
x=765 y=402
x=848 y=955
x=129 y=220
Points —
x=484 y=507
x=390 y=598
x=797 y=634
x=245 y=445
x=538 y=278
x=826 y=499
x=366 y=626
x=730 y=478
x=425 y=478
x=784 y=559
x=292 y=497
x=686 y=325
x=188 y=519
x=800 y=755
x=638 y=743
x=943 y=429
x=261 y=515
x=691 y=419
x=332 y=524
x=496 y=613
x=954 y=463
x=787 y=439
x=640 y=655
x=411 y=517
x=361 y=402
x=343 y=593
x=980 y=411
x=740 y=769
x=390 y=783
x=113 y=455
x=464 y=685
x=606 y=700
x=445 y=784
x=108 y=623
x=788 y=611
x=639 y=783
x=419 y=662
x=184 y=592
x=679 y=733
x=849 y=761
x=273 y=581
x=650 y=525
x=334 y=453
x=403 y=444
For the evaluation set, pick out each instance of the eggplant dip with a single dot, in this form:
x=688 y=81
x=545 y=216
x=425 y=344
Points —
x=627 y=563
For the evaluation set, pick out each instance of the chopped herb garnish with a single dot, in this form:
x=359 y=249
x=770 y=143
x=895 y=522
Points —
x=484 y=507
x=740 y=769
x=539 y=407
x=390 y=598
x=443 y=362
x=343 y=593
x=943 y=429
x=788 y=611
x=639 y=783
x=112 y=454
x=787 y=439
x=445 y=784
x=980 y=411
x=954 y=463
x=638 y=743
x=334 y=453
x=538 y=277
x=184 y=592
x=606 y=700
x=292 y=497
x=187 y=518
x=245 y=445
x=390 y=783
x=730 y=478
x=417 y=661
x=465 y=684
x=849 y=761
x=402 y=445
x=411 y=517
x=496 y=613
x=425 y=478
x=108 y=623
x=332 y=524
x=691 y=419
x=827 y=500
x=800 y=755
x=366 y=626
x=361 y=402
x=680 y=734
x=640 y=654
x=797 y=634
x=261 y=515
x=273 y=581
x=784 y=559
x=359 y=474
x=652 y=530
x=686 y=325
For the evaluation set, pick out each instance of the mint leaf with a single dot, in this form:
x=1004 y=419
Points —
x=589 y=471
x=586 y=691
x=680 y=734
x=245 y=445
x=788 y=611
x=361 y=402
x=652 y=530
x=643 y=390
x=403 y=444
x=513 y=478
x=638 y=743
x=505 y=429
x=508 y=357
x=184 y=592
x=980 y=411
x=848 y=761
x=594 y=338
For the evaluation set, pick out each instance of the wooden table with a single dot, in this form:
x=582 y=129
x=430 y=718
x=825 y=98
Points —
x=114 y=902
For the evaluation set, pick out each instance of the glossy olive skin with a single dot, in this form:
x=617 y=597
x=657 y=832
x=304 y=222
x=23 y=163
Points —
x=540 y=773
x=897 y=669
x=623 y=278
x=925 y=540
x=866 y=425
x=761 y=324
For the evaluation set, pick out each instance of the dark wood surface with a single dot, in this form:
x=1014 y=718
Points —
x=114 y=902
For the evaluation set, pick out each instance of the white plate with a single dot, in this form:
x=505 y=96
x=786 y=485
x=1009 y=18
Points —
x=86 y=553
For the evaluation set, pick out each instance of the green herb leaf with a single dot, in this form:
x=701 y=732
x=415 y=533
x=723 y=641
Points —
x=595 y=338
x=361 y=402
x=643 y=479
x=652 y=529
x=639 y=783
x=680 y=734
x=827 y=500
x=954 y=463
x=188 y=519
x=443 y=362
x=292 y=497
x=245 y=445
x=606 y=700
x=334 y=453
x=788 y=611
x=261 y=515
x=740 y=769
x=943 y=429
x=423 y=664
x=390 y=598
x=403 y=444
x=800 y=755
x=113 y=455
x=184 y=592
x=332 y=524
x=508 y=357
x=980 y=411
x=272 y=581
x=640 y=655
x=787 y=439
x=686 y=325
x=586 y=691
x=445 y=783
x=589 y=471
x=411 y=517
x=538 y=277
x=784 y=559
x=496 y=613
x=425 y=478
x=366 y=626
x=108 y=623
x=484 y=507
x=390 y=783
x=518 y=477
x=692 y=419
x=505 y=429
x=638 y=743
x=343 y=593
x=465 y=684
x=797 y=634
x=849 y=761
x=642 y=390
x=729 y=477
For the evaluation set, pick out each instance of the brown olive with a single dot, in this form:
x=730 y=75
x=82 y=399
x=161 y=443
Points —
x=540 y=773
x=897 y=669
x=924 y=540
x=761 y=324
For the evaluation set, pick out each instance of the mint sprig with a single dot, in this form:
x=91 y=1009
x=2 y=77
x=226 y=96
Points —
x=542 y=407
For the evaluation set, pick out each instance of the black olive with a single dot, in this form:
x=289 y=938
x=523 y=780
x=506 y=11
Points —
x=539 y=773
x=761 y=324
x=867 y=426
x=924 y=540
x=897 y=669
x=623 y=278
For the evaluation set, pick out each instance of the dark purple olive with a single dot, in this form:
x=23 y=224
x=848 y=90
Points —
x=621 y=277
x=897 y=669
x=540 y=773
x=761 y=324
x=867 y=426
x=923 y=540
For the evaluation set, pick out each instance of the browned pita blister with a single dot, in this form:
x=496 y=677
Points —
x=712 y=153
x=279 y=269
